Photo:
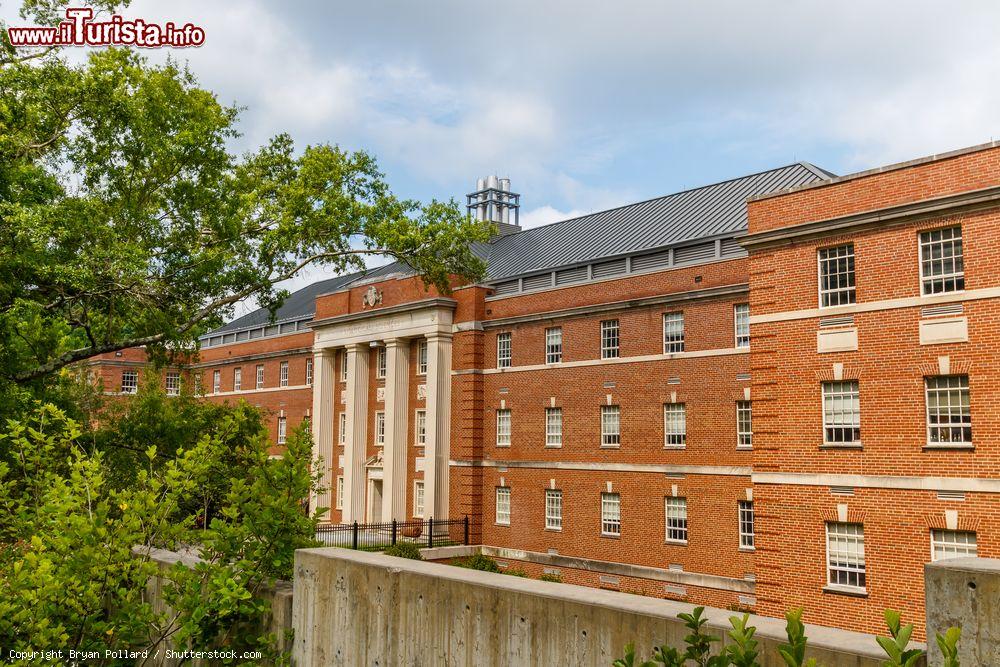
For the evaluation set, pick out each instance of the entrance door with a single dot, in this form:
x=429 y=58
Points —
x=374 y=500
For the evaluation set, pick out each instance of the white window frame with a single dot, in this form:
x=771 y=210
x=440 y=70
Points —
x=745 y=518
x=831 y=258
x=309 y=372
x=504 y=427
x=422 y=357
x=502 y=516
x=611 y=514
x=343 y=366
x=505 y=349
x=260 y=376
x=553 y=509
x=942 y=432
x=342 y=429
x=381 y=362
x=841 y=393
x=283 y=374
x=282 y=430
x=553 y=427
x=741 y=325
x=379 y=428
x=238 y=378
x=611 y=426
x=675 y=520
x=418 y=498
x=611 y=339
x=673 y=332
x=340 y=493
x=420 y=428
x=852 y=562
x=924 y=241
x=947 y=544
x=674 y=426
x=130 y=382
x=744 y=425
x=173 y=383
x=216 y=381
x=553 y=345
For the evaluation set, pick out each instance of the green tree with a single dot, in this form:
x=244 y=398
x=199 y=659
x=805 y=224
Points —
x=126 y=218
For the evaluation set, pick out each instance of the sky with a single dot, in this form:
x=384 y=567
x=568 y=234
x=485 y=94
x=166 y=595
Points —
x=588 y=105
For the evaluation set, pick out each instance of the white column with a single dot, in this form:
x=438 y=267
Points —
x=355 y=449
x=397 y=376
x=324 y=381
x=437 y=451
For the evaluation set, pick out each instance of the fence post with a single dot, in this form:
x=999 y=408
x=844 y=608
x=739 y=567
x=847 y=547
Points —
x=354 y=540
x=430 y=532
x=466 y=526
x=393 y=532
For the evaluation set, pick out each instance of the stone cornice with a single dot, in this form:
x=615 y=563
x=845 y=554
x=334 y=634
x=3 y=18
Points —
x=435 y=302
x=252 y=357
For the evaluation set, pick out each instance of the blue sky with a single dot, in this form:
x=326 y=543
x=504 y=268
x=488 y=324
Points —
x=588 y=105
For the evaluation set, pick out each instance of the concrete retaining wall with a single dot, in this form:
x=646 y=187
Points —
x=965 y=592
x=356 y=608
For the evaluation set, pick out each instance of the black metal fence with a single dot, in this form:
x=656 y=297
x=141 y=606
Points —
x=379 y=536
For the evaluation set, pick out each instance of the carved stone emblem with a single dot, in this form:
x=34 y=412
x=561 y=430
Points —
x=421 y=391
x=372 y=298
x=380 y=394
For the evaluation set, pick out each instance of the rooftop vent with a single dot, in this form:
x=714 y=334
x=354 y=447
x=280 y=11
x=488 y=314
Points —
x=494 y=201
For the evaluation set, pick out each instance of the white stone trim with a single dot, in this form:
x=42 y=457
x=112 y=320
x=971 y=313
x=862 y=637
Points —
x=963 y=484
x=738 y=471
x=719 y=352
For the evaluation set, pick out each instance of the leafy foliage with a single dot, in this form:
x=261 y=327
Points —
x=76 y=552
x=477 y=562
x=404 y=550
x=554 y=578
x=699 y=644
x=895 y=645
x=743 y=651
x=794 y=652
x=948 y=643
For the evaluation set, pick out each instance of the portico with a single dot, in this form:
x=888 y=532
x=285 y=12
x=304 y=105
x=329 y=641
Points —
x=376 y=476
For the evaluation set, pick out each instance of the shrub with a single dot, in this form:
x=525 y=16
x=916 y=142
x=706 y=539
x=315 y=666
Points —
x=516 y=572
x=554 y=578
x=404 y=550
x=477 y=562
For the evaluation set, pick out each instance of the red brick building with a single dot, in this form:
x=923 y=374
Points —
x=589 y=404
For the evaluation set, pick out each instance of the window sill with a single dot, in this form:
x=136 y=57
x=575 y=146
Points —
x=841 y=445
x=848 y=591
x=553 y=530
x=675 y=446
x=744 y=448
x=676 y=543
x=611 y=537
x=499 y=446
x=502 y=525
x=553 y=446
x=954 y=446
x=749 y=550
x=611 y=446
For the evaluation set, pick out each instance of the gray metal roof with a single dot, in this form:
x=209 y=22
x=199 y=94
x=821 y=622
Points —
x=704 y=212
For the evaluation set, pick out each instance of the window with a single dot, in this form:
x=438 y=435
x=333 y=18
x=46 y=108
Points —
x=744 y=425
x=553 y=510
x=611 y=514
x=503 y=350
x=836 y=276
x=130 y=382
x=553 y=427
x=422 y=358
x=380 y=361
x=503 y=428
x=553 y=345
x=342 y=432
x=503 y=505
x=379 y=428
x=216 y=382
x=283 y=374
x=611 y=434
x=676 y=513
x=673 y=333
x=610 y=339
x=340 y=493
x=260 y=376
x=841 y=412
x=952 y=544
x=741 y=319
x=282 y=430
x=309 y=371
x=845 y=554
x=941 y=266
x=173 y=383
x=948 y=415
x=420 y=427
x=418 y=498
x=198 y=384
x=343 y=366
x=237 y=379
x=746 y=524
x=674 y=425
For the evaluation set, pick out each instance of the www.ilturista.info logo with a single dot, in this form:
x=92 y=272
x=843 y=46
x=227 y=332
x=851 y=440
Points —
x=80 y=30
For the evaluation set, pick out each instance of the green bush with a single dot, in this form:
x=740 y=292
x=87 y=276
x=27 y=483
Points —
x=516 y=572
x=477 y=562
x=554 y=578
x=404 y=550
